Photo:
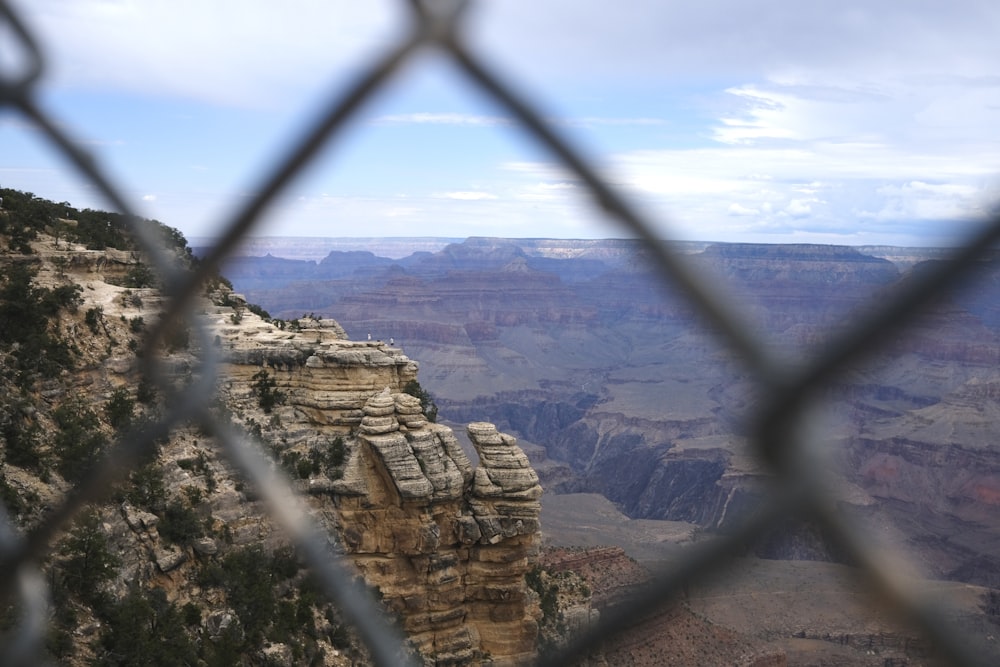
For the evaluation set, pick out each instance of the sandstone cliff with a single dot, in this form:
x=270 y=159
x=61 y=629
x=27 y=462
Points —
x=445 y=542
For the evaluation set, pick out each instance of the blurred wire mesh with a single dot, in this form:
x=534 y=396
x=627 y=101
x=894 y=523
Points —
x=782 y=431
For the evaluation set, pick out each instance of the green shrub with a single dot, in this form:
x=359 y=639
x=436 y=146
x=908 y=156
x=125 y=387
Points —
x=298 y=466
x=20 y=434
x=187 y=464
x=193 y=494
x=25 y=314
x=211 y=575
x=145 y=393
x=250 y=589
x=258 y=311
x=120 y=409
x=98 y=230
x=180 y=523
x=265 y=389
x=59 y=641
x=11 y=498
x=78 y=441
x=92 y=318
x=284 y=563
x=146 y=629
x=88 y=562
x=336 y=452
x=250 y=579
x=178 y=338
x=427 y=403
x=146 y=488
x=191 y=613
x=66 y=296
x=132 y=299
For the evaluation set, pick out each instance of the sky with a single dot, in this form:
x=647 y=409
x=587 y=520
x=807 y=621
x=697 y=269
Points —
x=851 y=122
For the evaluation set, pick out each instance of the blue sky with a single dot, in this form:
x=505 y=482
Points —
x=852 y=122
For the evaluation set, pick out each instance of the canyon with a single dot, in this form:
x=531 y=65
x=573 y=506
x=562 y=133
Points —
x=182 y=562
x=614 y=387
x=559 y=365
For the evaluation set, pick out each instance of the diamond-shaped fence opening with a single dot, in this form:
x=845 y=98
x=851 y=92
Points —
x=782 y=435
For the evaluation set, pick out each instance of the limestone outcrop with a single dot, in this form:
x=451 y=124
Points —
x=448 y=545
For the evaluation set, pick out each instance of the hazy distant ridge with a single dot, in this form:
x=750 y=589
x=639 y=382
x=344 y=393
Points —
x=316 y=248
x=308 y=248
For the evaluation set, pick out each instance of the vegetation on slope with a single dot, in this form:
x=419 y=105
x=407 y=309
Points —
x=152 y=577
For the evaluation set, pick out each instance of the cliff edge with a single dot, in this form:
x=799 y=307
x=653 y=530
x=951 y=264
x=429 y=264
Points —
x=446 y=543
x=183 y=560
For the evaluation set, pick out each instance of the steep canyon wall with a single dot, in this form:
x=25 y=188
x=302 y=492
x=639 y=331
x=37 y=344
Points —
x=446 y=543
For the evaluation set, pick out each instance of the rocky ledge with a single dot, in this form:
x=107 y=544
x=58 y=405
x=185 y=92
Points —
x=446 y=543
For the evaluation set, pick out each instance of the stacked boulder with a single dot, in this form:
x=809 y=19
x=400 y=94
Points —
x=505 y=490
x=409 y=412
x=448 y=545
x=424 y=460
x=504 y=499
x=379 y=415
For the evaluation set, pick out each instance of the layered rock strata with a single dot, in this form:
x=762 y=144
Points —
x=446 y=544
x=324 y=377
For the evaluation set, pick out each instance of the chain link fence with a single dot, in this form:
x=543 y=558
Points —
x=783 y=435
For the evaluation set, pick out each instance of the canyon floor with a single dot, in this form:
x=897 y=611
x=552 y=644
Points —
x=811 y=612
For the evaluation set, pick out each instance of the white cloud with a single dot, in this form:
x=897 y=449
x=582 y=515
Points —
x=587 y=40
x=103 y=143
x=492 y=121
x=442 y=119
x=926 y=201
x=739 y=209
x=826 y=155
x=18 y=123
x=755 y=117
x=799 y=208
x=594 y=121
x=770 y=111
x=540 y=171
x=401 y=211
x=149 y=198
x=226 y=52
x=546 y=191
x=26 y=170
x=466 y=195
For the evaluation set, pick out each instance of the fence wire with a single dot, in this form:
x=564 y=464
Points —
x=782 y=436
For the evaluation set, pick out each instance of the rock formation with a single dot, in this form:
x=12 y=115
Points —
x=627 y=397
x=446 y=543
x=639 y=403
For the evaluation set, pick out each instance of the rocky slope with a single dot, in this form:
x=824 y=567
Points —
x=751 y=611
x=577 y=585
x=186 y=545
x=446 y=543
